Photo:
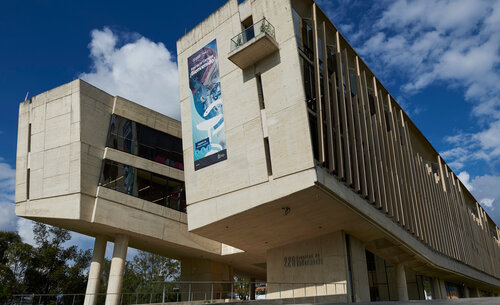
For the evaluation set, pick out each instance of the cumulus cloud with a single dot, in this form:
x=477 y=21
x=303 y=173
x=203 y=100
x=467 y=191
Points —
x=486 y=188
x=136 y=68
x=465 y=178
x=488 y=202
x=449 y=43
x=7 y=216
x=7 y=185
x=25 y=230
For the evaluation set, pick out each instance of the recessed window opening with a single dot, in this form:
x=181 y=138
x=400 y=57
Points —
x=260 y=91
x=268 y=156
x=29 y=137
x=248 y=29
x=371 y=99
x=28 y=184
x=354 y=82
x=387 y=121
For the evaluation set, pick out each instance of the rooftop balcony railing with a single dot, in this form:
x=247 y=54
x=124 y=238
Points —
x=253 y=44
x=260 y=27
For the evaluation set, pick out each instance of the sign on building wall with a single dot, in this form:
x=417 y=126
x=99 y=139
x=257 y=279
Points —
x=207 y=117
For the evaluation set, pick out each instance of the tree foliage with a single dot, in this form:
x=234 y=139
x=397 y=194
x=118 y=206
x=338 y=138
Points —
x=46 y=268
x=51 y=267
x=144 y=273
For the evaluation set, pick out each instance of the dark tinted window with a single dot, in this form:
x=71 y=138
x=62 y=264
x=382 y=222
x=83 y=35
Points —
x=145 y=142
x=139 y=183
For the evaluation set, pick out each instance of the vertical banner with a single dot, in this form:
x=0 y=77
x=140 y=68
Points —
x=207 y=118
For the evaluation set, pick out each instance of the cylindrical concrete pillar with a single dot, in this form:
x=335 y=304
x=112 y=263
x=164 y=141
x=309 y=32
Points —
x=466 y=292
x=437 y=289
x=116 y=270
x=251 y=292
x=95 y=271
x=401 y=282
x=442 y=287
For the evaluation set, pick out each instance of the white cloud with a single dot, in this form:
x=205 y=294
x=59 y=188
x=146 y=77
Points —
x=487 y=188
x=136 y=68
x=487 y=202
x=25 y=230
x=465 y=178
x=7 y=185
x=7 y=216
x=131 y=252
x=448 y=43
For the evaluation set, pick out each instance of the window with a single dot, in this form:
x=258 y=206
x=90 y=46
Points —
x=387 y=121
x=248 y=30
x=296 y=27
x=354 y=83
x=371 y=100
x=145 y=185
x=260 y=91
x=307 y=39
x=268 y=157
x=145 y=142
x=332 y=62
x=309 y=85
x=28 y=184
x=29 y=137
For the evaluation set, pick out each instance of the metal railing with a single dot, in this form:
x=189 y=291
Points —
x=260 y=27
x=199 y=292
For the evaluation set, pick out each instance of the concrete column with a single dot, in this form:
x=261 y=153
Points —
x=466 y=292
x=95 y=271
x=116 y=270
x=251 y=292
x=359 y=271
x=437 y=289
x=401 y=282
x=442 y=288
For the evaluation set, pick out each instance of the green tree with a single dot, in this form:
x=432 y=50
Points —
x=14 y=258
x=54 y=268
x=49 y=267
x=241 y=286
x=153 y=267
x=142 y=277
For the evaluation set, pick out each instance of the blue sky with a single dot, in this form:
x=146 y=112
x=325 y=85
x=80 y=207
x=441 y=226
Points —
x=439 y=59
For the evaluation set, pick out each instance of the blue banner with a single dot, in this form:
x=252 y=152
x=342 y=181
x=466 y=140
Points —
x=209 y=135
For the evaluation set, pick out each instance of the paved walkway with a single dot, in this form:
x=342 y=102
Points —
x=471 y=301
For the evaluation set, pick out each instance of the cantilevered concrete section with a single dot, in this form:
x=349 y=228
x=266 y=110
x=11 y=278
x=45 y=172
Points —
x=324 y=177
x=106 y=167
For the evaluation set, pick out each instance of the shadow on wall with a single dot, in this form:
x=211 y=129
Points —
x=266 y=64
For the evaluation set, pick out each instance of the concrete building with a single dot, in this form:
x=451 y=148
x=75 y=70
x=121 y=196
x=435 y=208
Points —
x=296 y=167
x=106 y=167
x=322 y=162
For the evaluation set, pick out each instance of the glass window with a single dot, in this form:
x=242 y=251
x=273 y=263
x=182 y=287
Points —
x=296 y=27
x=145 y=142
x=144 y=185
x=332 y=62
x=371 y=101
x=354 y=83
x=307 y=39
x=148 y=186
x=309 y=85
